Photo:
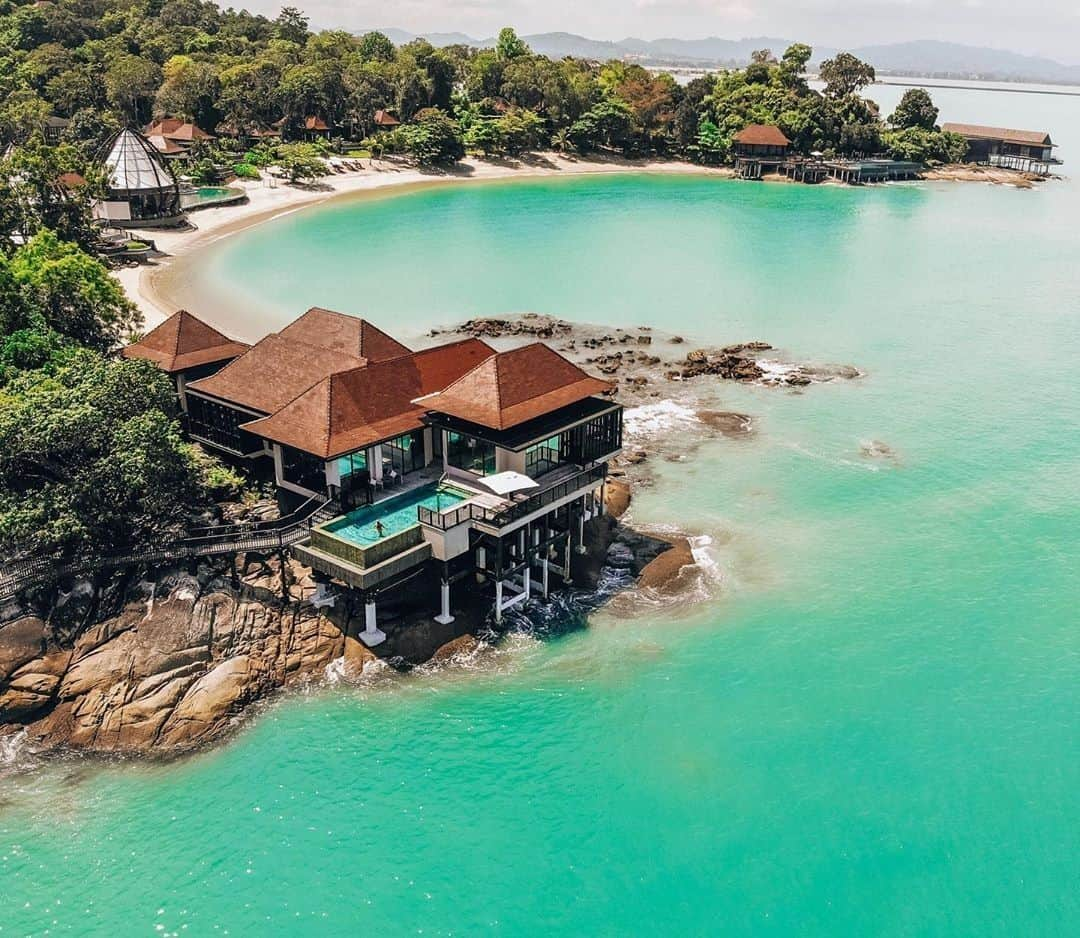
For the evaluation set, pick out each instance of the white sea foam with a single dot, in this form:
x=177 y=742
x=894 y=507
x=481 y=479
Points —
x=650 y=420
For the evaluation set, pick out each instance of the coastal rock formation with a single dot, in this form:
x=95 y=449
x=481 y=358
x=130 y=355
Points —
x=170 y=663
x=639 y=359
x=166 y=674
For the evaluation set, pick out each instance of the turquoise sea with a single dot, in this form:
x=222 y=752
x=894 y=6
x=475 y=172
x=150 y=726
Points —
x=869 y=727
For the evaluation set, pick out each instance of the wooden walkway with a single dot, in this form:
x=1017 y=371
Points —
x=261 y=536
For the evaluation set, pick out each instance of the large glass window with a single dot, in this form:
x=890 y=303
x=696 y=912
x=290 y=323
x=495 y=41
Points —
x=598 y=437
x=220 y=424
x=543 y=457
x=467 y=452
x=353 y=464
x=403 y=454
x=303 y=469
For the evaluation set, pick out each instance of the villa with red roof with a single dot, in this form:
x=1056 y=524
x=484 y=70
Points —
x=458 y=461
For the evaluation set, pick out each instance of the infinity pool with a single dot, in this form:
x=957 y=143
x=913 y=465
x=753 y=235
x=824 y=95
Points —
x=396 y=514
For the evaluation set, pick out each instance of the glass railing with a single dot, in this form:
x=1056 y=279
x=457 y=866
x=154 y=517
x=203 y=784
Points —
x=501 y=517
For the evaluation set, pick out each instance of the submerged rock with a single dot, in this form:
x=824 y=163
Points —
x=728 y=423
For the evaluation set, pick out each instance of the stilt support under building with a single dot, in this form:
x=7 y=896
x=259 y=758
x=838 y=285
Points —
x=372 y=634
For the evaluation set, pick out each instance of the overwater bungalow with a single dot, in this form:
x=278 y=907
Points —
x=759 y=148
x=455 y=464
x=141 y=192
x=1025 y=150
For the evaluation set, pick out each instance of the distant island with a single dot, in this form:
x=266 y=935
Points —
x=925 y=58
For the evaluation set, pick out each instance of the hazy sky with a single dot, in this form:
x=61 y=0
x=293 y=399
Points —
x=1042 y=27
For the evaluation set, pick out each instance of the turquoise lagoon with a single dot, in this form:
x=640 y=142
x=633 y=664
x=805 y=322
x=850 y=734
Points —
x=869 y=726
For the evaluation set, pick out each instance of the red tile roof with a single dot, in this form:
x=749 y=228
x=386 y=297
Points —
x=512 y=387
x=979 y=132
x=184 y=341
x=356 y=408
x=341 y=332
x=312 y=122
x=274 y=371
x=385 y=119
x=71 y=180
x=180 y=131
x=762 y=135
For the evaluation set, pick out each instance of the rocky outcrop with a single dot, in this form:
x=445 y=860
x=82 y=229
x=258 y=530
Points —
x=666 y=572
x=639 y=360
x=165 y=674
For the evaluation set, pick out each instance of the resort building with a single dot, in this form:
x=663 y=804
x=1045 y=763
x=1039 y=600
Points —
x=173 y=137
x=454 y=463
x=309 y=128
x=1027 y=150
x=384 y=120
x=140 y=192
x=187 y=349
x=759 y=148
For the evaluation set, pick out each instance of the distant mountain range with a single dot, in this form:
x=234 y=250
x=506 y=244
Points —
x=924 y=57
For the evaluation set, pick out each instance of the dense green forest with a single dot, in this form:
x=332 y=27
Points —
x=105 y=64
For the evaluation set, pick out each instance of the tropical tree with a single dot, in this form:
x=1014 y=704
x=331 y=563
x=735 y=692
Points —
x=844 y=75
x=63 y=288
x=302 y=162
x=130 y=84
x=916 y=109
x=509 y=46
x=91 y=458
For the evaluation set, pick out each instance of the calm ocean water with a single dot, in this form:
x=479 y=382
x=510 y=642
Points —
x=869 y=729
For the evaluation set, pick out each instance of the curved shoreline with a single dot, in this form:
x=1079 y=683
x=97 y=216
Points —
x=161 y=289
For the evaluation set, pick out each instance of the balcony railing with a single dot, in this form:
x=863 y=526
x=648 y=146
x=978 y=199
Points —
x=501 y=517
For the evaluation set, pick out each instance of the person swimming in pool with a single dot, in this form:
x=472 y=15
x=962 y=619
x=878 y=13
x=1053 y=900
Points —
x=379 y=528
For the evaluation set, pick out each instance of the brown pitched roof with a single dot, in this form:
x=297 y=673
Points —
x=762 y=135
x=515 y=386
x=184 y=341
x=173 y=128
x=1026 y=137
x=311 y=122
x=341 y=332
x=385 y=119
x=71 y=180
x=274 y=371
x=352 y=409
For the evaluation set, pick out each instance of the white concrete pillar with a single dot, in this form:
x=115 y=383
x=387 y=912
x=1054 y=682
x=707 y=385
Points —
x=521 y=543
x=566 y=562
x=544 y=575
x=481 y=562
x=536 y=537
x=581 y=529
x=372 y=634
x=603 y=499
x=375 y=463
x=498 y=600
x=444 y=617
x=525 y=581
x=323 y=597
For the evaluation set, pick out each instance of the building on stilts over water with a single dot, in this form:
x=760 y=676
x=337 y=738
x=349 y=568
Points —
x=1030 y=151
x=456 y=466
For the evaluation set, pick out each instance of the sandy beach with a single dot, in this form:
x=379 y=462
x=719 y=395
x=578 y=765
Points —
x=159 y=288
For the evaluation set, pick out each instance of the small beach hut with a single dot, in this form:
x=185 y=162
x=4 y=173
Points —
x=140 y=192
x=384 y=120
